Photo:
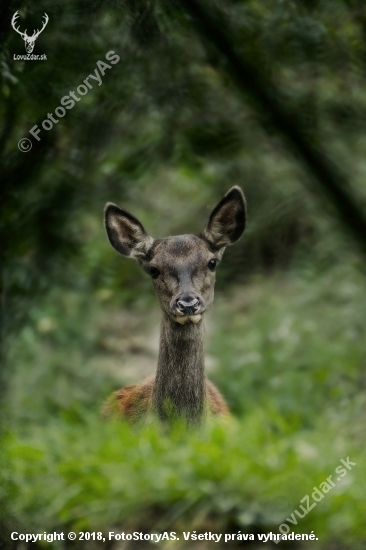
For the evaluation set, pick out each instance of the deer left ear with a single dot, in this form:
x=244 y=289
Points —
x=126 y=234
x=227 y=220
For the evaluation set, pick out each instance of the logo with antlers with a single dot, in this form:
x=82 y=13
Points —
x=29 y=40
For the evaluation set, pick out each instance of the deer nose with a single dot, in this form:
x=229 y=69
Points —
x=188 y=305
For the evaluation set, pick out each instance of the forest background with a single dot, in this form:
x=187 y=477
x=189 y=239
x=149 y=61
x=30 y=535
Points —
x=270 y=95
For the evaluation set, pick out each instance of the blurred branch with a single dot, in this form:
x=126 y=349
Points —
x=8 y=124
x=333 y=183
x=358 y=13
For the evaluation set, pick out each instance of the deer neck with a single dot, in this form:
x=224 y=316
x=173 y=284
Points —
x=179 y=390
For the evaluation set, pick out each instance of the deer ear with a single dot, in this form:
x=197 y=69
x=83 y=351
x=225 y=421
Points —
x=125 y=233
x=227 y=220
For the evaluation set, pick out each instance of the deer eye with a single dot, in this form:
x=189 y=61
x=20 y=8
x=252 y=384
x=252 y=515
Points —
x=154 y=272
x=212 y=264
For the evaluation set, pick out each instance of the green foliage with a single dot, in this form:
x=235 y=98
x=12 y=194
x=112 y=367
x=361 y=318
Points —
x=294 y=345
x=164 y=136
x=288 y=357
x=92 y=476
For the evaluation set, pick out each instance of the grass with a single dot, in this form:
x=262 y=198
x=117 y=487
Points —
x=93 y=476
x=288 y=354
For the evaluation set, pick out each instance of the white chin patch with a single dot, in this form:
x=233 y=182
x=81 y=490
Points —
x=195 y=318
x=188 y=319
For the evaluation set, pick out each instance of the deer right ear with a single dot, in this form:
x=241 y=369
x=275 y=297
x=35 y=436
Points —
x=125 y=233
x=227 y=220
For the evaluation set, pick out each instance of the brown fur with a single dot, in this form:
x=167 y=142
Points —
x=135 y=402
x=183 y=272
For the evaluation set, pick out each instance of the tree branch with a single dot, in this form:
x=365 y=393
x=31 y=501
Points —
x=249 y=80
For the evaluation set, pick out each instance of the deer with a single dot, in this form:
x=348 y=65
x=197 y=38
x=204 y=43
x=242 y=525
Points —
x=183 y=270
x=29 y=40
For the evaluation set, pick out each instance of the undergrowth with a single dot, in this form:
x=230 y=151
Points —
x=288 y=356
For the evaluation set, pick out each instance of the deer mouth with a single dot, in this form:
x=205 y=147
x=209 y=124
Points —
x=184 y=319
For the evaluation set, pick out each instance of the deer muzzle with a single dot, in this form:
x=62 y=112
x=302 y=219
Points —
x=187 y=309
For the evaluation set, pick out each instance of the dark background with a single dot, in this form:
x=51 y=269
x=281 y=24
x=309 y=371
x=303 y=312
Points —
x=269 y=95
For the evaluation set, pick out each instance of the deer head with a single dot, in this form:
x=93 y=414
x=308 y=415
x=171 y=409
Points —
x=29 y=40
x=182 y=267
